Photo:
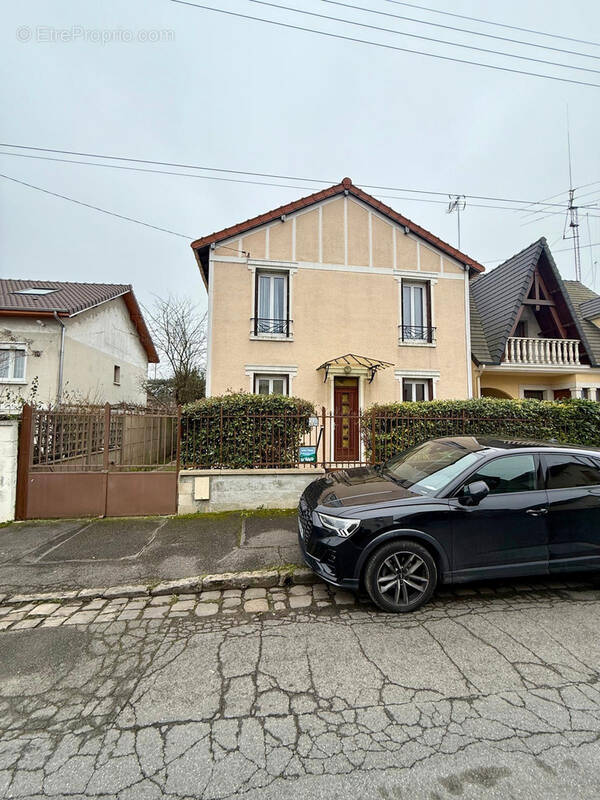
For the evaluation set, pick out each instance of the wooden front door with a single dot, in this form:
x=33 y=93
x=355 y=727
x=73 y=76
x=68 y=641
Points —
x=561 y=394
x=346 y=418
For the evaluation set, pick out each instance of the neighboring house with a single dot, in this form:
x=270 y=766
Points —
x=338 y=299
x=533 y=334
x=71 y=342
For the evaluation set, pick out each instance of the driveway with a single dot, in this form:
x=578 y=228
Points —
x=69 y=554
x=491 y=694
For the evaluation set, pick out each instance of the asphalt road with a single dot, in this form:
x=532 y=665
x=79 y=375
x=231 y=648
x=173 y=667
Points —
x=472 y=697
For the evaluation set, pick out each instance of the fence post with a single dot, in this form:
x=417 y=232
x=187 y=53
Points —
x=106 y=443
x=324 y=426
x=373 y=436
x=178 y=466
x=23 y=462
x=464 y=421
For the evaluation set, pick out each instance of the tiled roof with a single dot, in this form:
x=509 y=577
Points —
x=68 y=298
x=345 y=186
x=581 y=297
x=591 y=308
x=479 y=345
x=499 y=295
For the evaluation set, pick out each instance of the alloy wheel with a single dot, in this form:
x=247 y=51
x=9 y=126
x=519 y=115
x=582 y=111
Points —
x=403 y=578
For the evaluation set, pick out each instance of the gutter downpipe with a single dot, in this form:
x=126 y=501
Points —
x=60 y=358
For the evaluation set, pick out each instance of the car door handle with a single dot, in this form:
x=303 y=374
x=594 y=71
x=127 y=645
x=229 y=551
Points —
x=536 y=512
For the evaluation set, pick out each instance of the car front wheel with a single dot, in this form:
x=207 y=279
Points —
x=400 y=576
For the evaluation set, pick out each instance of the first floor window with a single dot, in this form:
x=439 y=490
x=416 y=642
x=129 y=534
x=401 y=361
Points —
x=271 y=303
x=415 y=311
x=12 y=363
x=414 y=391
x=117 y=375
x=270 y=384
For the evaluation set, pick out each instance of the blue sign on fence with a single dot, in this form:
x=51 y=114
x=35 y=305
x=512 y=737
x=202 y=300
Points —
x=308 y=454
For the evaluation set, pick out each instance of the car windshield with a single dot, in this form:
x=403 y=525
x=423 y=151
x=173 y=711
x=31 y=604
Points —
x=431 y=466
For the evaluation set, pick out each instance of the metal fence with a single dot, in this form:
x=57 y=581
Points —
x=330 y=440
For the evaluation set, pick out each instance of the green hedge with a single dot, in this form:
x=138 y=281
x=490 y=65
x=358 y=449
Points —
x=239 y=431
x=398 y=426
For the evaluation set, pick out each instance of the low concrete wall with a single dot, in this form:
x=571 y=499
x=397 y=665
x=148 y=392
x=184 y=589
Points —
x=228 y=490
x=9 y=447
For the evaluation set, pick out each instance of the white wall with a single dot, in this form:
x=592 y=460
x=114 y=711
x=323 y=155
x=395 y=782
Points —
x=9 y=445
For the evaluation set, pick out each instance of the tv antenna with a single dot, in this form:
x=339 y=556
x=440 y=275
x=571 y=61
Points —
x=458 y=203
x=572 y=212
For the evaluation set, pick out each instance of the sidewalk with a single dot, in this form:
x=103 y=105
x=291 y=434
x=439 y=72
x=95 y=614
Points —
x=60 y=555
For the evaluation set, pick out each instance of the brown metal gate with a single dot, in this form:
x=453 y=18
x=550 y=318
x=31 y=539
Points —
x=97 y=461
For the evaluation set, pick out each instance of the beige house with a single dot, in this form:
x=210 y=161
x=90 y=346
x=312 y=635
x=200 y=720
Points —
x=71 y=342
x=534 y=335
x=340 y=300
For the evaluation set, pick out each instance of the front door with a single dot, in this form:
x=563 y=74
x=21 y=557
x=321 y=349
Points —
x=346 y=420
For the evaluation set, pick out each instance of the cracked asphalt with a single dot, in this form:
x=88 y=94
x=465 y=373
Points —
x=478 y=695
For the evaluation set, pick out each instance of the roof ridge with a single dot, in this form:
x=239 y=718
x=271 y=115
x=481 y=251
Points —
x=541 y=241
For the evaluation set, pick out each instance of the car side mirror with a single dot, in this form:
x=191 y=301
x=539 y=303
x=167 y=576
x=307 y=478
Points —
x=473 y=493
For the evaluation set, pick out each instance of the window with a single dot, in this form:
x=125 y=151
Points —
x=598 y=395
x=12 y=364
x=508 y=474
x=416 y=390
x=586 y=394
x=534 y=394
x=271 y=304
x=34 y=291
x=270 y=384
x=415 y=310
x=569 y=472
x=117 y=375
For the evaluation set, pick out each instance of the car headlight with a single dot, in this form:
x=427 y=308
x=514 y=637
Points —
x=341 y=525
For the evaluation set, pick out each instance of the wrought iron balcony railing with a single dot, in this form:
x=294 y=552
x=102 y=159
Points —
x=416 y=333
x=542 y=352
x=261 y=326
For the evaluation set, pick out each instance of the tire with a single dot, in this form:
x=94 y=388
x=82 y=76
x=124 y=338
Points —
x=411 y=576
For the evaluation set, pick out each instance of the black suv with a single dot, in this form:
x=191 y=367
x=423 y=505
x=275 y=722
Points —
x=453 y=510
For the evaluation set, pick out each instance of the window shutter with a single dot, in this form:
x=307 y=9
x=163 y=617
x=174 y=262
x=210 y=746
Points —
x=429 y=336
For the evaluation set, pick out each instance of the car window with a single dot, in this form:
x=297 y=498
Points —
x=508 y=474
x=569 y=472
x=431 y=466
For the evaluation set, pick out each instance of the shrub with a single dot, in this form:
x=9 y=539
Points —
x=237 y=431
x=399 y=426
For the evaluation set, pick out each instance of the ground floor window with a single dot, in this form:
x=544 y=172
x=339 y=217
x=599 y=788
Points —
x=12 y=363
x=271 y=384
x=591 y=394
x=414 y=390
x=534 y=394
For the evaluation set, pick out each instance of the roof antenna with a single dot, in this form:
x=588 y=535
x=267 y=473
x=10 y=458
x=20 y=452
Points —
x=458 y=203
x=573 y=211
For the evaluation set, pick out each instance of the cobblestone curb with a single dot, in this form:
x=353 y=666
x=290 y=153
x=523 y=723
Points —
x=264 y=579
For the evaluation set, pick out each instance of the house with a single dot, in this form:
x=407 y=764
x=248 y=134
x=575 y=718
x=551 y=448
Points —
x=338 y=299
x=533 y=334
x=72 y=342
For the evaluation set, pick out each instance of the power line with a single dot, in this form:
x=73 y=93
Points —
x=461 y=30
x=496 y=24
x=562 y=250
x=396 y=48
x=95 y=208
x=415 y=35
x=279 y=177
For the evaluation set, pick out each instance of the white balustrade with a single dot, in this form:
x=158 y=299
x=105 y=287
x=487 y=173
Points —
x=542 y=352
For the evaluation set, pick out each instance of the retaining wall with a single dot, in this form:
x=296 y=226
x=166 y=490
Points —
x=227 y=490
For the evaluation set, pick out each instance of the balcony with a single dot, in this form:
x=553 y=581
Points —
x=542 y=352
x=271 y=328
x=416 y=334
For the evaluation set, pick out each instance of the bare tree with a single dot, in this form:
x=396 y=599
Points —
x=179 y=334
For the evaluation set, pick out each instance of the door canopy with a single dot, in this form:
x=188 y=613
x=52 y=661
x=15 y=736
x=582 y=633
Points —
x=352 y=363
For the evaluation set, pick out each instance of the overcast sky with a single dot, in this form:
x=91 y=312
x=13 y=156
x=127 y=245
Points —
x=225 y=92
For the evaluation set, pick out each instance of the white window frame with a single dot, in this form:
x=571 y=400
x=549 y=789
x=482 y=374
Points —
x=413 y=382
x=12 y=347
x=272 y=371
x=117 y=374
x=427 y=285
x=271 y=272
x=258 y=376
x=418 y=376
